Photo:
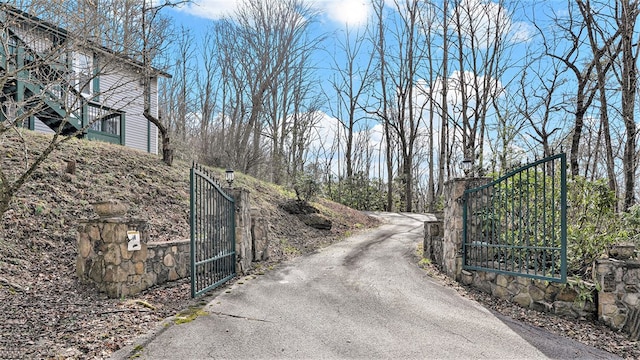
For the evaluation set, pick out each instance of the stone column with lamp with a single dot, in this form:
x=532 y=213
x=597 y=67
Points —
x=252 y=241
x=244 y=242
x=453 y=209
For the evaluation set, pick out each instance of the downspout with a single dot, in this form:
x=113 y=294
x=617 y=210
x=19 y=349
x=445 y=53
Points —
x=148 y=136
x=147 y=93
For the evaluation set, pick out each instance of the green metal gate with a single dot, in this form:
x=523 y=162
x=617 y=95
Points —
x=517 y=224
x=213 y=244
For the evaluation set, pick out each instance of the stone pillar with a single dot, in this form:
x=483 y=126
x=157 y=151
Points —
x=452 y=234
x=452 y=238
x=112 y=251
x=244 y=243
x=259 y=236
x=433 y=236
x=618 y=283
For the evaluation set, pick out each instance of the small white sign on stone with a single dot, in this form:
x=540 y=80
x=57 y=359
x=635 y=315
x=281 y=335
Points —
x=133 y=243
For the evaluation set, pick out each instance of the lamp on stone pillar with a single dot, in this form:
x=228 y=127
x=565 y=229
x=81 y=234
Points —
x=467 y=166
x=229 y=176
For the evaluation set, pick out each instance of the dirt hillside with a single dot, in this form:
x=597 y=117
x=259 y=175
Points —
x=46 y=312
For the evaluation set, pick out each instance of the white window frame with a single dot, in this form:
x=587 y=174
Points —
x=83 y=71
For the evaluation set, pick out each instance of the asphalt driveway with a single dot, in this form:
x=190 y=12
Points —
x=361 y=298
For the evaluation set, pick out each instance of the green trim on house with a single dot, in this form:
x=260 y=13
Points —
x=102 y=136
x=123 y=123
x=21 y=74
x=96 y=79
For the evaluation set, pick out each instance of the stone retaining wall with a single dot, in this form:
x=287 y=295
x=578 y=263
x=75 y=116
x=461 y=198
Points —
x=573 y=299
x=168 y=261
x=106 y=260
x=619 y=296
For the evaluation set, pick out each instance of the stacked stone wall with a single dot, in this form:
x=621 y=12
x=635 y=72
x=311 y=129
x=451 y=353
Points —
x=244 y=243
x=105 y=259
x=168 y=261
x=259 y=235
x=433 y=239
x=451 y=262
x=619 y=296
x=574 y=299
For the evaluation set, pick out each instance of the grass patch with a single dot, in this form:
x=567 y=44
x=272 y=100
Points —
x=137 y=352
x=424 y=262
x=189 y=315
x=289 y=249
x=420 y=250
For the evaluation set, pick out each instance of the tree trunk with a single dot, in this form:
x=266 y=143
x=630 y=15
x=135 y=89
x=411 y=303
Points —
x=444 y=117
x=167 y=151
x=629 y=81
x=408 y=174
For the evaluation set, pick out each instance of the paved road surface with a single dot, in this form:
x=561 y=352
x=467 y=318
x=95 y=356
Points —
x=361 y=298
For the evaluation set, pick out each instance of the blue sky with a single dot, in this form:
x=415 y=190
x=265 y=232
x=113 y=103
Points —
x=334 y=14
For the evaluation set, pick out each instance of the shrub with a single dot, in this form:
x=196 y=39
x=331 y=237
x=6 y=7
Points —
x=306 y=187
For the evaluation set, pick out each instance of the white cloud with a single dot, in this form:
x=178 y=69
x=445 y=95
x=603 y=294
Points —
x=522 y=31
x=324 y=135
x=351 y=12
x=211 y=9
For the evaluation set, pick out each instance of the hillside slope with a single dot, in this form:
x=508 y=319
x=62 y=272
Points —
x=47 y=312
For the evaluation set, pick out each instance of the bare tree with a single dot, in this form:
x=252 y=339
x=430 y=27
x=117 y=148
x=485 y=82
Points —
x=443 y=157
x=571 y=31
x=289 y=115
x=353 y=69
x=538 y=86
x=400 y=114
x=260 y=45
x=482 y=38
x=597 y=34
x=430 y=26
x=176 y=97
x=384 y=111
x=207 y=101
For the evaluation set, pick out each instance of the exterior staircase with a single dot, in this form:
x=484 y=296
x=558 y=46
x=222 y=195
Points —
x=28 y=86
x=49 y=110
x=36 y=81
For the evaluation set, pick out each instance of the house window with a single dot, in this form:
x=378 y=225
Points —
x=83 y=72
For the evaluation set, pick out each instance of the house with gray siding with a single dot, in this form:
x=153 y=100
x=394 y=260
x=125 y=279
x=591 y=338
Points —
x=54 y=81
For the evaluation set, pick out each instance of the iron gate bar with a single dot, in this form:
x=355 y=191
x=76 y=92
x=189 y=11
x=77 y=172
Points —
x=212 y=220
x=532 y=245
